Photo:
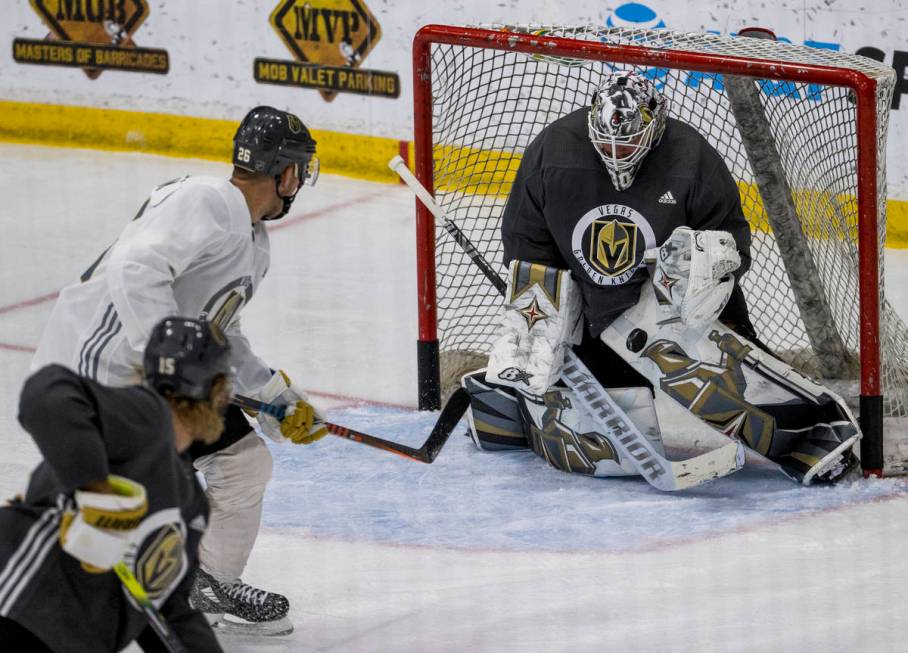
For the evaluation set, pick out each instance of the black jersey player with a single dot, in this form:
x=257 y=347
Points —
x=115 y=484
x=599 y=186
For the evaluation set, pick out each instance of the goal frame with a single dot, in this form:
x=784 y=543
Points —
x=863 y=86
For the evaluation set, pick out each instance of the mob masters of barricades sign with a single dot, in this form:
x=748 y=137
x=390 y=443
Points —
x=329 y=40
x=94 y=35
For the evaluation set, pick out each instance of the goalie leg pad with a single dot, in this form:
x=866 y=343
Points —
x=493 y=416
x=741 y=391
x=542 y=317
x=568 y=438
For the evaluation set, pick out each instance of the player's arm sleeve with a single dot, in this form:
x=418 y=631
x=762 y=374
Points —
x=187 y=623
x=716 y=204
x=251 y=371
x=141 y=270
x=58 y=410
x=524 y=232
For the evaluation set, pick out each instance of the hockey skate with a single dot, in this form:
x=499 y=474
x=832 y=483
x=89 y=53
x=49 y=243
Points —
x=236 y=608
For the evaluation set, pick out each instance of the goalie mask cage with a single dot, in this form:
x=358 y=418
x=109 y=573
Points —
x=802 y=130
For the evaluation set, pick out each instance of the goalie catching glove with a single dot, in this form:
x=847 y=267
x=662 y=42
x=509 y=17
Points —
x=302 y=423
x=100 y=533
x=694 y=274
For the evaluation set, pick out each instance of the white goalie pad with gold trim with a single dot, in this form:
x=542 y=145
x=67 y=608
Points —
x=542 y=317
x=566 y=436
x=693 y=273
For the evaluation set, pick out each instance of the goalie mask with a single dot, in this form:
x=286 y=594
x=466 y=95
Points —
x=626 y=120
x=268 y=140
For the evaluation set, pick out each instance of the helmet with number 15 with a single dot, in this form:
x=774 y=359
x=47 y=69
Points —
x=184 y=357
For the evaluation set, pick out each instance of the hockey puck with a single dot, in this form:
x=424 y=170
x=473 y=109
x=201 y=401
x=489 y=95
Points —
x=636 y=340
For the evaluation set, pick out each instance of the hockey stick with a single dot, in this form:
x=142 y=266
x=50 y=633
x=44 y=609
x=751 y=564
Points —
x=622 y=433
x=169 y=639
x=450 y=416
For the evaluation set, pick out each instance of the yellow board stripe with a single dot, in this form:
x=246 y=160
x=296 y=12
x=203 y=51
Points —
x=467 y=171
x=364 y=157
x=352 y=155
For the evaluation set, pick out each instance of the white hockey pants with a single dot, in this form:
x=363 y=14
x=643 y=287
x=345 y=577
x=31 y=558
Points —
x=236 y=478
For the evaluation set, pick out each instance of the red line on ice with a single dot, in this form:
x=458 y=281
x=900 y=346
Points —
x=29 y=302
x=11 y=347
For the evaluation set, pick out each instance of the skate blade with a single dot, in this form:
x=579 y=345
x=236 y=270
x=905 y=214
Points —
x=233 y=626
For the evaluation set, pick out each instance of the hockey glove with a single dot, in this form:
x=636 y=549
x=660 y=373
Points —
x=302 y=424
x=101 y=531
x=694 y=273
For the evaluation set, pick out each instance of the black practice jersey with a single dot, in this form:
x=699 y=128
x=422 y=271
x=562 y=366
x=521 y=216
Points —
x=86 y=431
x=564 y=211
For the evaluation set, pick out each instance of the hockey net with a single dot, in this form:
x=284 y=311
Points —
x=791 y=144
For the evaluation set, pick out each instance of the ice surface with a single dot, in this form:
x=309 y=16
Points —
x=478 y=551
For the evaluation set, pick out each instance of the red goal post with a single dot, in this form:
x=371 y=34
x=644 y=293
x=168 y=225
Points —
x=456 y=68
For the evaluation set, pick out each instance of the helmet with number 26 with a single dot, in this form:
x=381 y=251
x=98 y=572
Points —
x=626 y=120
x=268 y=140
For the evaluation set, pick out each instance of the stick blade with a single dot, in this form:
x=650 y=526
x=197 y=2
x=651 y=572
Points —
x=706 y=467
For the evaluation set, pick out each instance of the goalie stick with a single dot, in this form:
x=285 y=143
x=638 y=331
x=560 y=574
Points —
x=450 y=416
x=169 y=639
x=621 y=432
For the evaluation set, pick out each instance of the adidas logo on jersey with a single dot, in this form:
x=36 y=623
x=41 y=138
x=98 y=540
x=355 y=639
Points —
x=667 y=198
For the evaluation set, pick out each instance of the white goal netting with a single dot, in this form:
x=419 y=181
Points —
x=798 y=150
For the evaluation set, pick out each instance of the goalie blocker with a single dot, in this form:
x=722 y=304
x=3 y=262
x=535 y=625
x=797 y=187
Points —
x=715 y=374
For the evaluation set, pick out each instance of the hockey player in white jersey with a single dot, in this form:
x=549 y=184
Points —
x=198 y=246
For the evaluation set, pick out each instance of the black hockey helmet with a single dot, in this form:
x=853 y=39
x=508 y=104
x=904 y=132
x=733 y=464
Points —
x=184 y=356
x=268 y=140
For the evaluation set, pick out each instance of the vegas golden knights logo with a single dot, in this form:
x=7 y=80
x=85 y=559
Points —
x=227 y=302
x=613 y=246
x=160 y=564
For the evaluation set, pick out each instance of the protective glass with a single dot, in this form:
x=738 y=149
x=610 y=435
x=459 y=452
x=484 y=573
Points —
x=308 y=172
